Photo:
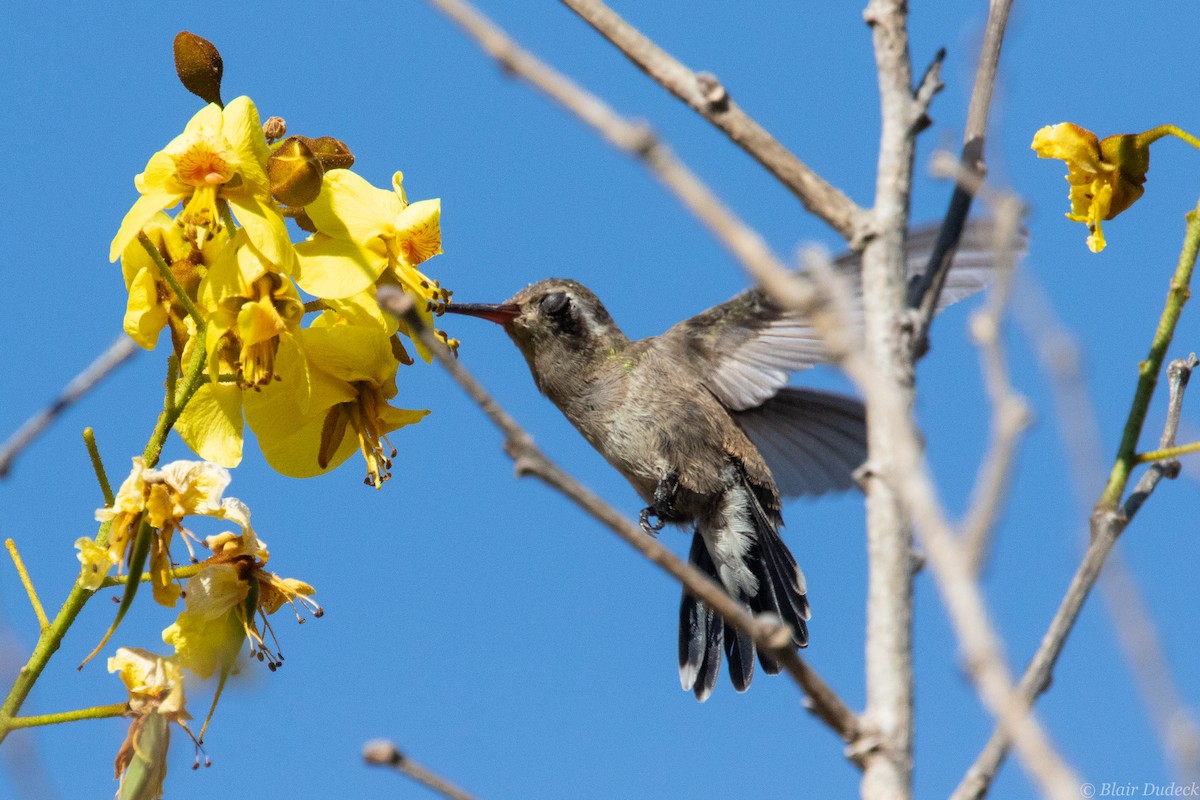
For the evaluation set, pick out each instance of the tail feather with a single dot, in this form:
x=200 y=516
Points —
x=749 y=553
x=701 y=633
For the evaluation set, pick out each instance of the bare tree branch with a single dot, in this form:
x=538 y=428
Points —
x=636 y=139
x=769 y=633
x=117 y=354
x=382 y=753
x=924 y=294
x=705 y=94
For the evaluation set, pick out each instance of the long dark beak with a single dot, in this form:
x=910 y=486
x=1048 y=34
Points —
x=500 y=314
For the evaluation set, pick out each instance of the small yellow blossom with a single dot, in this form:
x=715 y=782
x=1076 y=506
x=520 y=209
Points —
x=1106 y=175
x=221 y=156
x=229 y=600
x=366 y=236
x=253 y=313
x=153 y=682
x=352 y=354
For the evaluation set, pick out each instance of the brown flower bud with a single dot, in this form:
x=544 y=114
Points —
x=199 y=66
x=275 y=128
x=295 y=173
x=333 y=153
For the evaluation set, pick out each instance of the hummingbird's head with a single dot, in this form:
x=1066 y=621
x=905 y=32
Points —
x=558 y=324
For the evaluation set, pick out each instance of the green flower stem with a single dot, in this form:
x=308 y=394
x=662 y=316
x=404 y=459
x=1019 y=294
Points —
x=164 y=269
x=51 y=637
x=1169 y=452
x=177 y=572
x=1154 y=134
x=172 y=381
x=95 y=712
x=23 y=574
x=1149 y=369
x=89 y=441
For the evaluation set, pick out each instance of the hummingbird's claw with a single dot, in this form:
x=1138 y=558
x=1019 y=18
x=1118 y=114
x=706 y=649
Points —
x=648 y=526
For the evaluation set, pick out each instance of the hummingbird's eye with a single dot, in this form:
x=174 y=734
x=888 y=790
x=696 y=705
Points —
x=555 y=304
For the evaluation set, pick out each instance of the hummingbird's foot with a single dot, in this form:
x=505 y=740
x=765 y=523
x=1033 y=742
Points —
x=665 y=495
x=664 y=503
x=648 y=526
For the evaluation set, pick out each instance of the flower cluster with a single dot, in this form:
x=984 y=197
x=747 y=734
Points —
x=224 y=277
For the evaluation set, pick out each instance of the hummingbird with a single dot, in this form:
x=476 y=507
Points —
x=701 y=422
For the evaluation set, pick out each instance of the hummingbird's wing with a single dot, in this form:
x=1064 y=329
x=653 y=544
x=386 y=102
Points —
x=812 y=441
x=745 y=348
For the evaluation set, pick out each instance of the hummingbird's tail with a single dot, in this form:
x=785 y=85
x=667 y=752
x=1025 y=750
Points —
x=755 y=566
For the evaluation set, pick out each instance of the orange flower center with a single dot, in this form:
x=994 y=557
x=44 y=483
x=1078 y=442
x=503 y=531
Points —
x=200 y=165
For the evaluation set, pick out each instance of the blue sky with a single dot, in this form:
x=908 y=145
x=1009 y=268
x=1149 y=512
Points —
x=480 y=621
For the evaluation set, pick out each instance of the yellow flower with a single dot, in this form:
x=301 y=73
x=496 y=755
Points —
x=161 y=498
x=156 y=699
x=253 y=314
x=366 y=236
x=221 y=156
x=1106 y=175
x=228 y=598
x=352 y=355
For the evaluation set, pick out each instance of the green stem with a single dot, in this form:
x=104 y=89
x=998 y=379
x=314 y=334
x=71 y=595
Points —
x=89 y=440
x=181 y=573
x=1149 y=369
x=51 y=638
x=1168 y=452
x=1154 y=134
x=95 y=712
x=164 y=269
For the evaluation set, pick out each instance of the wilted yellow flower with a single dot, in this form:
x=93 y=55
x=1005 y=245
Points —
x=221 y=156
x=1106 y=175
x=229 y=600
x=156 y=699
x=161 y=498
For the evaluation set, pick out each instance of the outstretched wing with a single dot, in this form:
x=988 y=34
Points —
x=746 y=347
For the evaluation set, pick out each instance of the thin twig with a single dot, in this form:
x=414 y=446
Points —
x=117 y=354
x=768 y=632
x=382 y=753
x=634 y=138
x=705 y=94
x=1010 y=412
x=925 y=292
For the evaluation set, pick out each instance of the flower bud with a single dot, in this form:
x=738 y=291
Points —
x=333 y=153
x=295 y=173
x=199 y=66
x=275 y=128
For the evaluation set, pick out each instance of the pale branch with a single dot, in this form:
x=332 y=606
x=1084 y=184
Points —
x=768 y=632
x=117 y=354
x=924 y=292
x=382 y=753
x=634 y=138
x=889 y=399
x=1010 y=413
x=705 y=94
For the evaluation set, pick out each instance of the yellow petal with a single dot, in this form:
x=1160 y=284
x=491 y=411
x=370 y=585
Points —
x=138 y=216
x=352 y=209
x=419 y=232
x=145 y=314
x=336 y=268
x=1070 y=143
x=211 y=424
x=266 y=228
